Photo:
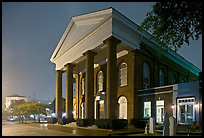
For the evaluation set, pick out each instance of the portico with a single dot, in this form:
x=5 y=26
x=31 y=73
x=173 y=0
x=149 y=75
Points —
x=79 y=53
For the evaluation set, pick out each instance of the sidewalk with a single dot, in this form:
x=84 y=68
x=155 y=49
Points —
x=94 y=131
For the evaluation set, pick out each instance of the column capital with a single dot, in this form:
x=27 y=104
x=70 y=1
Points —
x=112 y=40
x=88 y=52
x=69 y=65
x=59 y=71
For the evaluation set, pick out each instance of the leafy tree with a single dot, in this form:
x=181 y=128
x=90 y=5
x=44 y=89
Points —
x=174 y=22
x=37 y=108
x=52 y=106
x=29 y=108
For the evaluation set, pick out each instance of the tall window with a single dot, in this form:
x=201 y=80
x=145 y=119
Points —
x=100 y=81
x=160 y=111
x=161 y=77
x=173 y=79
x=122 y=107
x=146 y=76
x=123 y=74
x=147 y=109
x=83 y=85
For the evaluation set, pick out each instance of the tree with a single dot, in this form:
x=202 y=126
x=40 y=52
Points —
x=174 y=22
x=36 y=108
x=52 y=106
x=29 y=108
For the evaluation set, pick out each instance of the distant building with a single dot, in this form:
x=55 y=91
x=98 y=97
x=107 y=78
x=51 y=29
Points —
x=12 y=98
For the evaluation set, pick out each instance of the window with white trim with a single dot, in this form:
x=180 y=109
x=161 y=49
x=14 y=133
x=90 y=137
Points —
x=100 y=81
x=147 y=109
x=123 y=74
x=83 y=86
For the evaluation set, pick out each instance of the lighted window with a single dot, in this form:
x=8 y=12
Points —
x=83 y=86
x=146 y=76
x=147 y=109
x=100 y=81
x=123 y=74
x=161 y=77
x=173 y=80
x=160 y=111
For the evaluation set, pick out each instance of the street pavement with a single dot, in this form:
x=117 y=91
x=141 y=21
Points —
x=16 y=129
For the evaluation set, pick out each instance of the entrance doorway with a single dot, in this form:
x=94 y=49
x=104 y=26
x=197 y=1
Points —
x=99 y=107
x=186 y=112
x=160 y=111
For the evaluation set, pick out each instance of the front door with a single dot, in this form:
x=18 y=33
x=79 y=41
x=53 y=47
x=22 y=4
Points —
x=160 y=111
x=101 y=109
x=186 y=111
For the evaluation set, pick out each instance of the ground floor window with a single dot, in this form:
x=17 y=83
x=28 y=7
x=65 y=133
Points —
x=74 y=111
x=160 y=111
x=122 y=101
x=147 y=109
x=83 y=110
x=186 y=111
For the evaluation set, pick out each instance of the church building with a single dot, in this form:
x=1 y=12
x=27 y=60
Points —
x=121 y=72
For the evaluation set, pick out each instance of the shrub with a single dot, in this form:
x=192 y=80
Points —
x=111 y=123
x=118 y=123
x=139 y=122
x=64 y=121
x=85 y=122
x=52 y=120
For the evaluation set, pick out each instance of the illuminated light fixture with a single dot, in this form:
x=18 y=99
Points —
x=196 y=105
x=53 y=114
x=64 y=114
x=103 y=92
x=173 y=106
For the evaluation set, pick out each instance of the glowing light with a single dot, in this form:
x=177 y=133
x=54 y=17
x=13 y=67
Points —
x=64 y=114
x=196 y=106
x=53 y=115
x=173 y=106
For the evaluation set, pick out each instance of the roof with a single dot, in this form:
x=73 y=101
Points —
x=88 y=31
x=15 y=95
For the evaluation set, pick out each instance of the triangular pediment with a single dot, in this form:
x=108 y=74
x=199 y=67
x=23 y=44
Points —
x=79 y=28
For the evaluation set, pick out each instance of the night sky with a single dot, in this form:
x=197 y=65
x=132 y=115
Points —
x=31 y=31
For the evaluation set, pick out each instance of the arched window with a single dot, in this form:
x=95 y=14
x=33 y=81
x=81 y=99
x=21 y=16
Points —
x=146 y=76
x=161 y=77
x=83 y=85
x=123 y=74
x=100 y=81
x=122 y=107
x=173 y=79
